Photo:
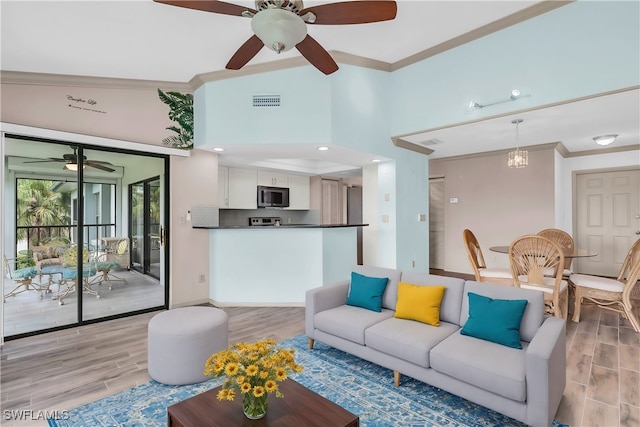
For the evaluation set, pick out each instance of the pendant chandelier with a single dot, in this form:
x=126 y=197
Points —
x=518 y=158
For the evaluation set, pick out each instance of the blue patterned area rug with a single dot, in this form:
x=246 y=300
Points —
x=360 y=387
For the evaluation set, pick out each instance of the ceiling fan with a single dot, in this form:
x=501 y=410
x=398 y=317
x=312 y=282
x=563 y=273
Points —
x=71 y=162
x=281 y=25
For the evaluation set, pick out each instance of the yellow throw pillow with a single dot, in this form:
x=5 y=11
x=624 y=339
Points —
x=421 y=303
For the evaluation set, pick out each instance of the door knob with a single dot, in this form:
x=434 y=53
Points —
x=638 y=233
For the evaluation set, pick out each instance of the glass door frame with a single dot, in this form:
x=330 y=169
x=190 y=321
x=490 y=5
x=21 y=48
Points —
x=165 y=203
x=147 y=243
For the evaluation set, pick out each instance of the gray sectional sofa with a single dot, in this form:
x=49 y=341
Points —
x=525 y=384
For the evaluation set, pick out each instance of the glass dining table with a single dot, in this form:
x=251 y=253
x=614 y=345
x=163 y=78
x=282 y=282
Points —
x=576 y=253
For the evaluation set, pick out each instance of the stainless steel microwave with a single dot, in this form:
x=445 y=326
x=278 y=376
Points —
x=273 y=197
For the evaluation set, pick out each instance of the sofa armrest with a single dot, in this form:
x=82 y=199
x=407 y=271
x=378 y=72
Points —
x=545 y=366
x=321 y=299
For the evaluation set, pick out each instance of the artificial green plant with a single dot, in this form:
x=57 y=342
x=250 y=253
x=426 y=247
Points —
x=180 y=111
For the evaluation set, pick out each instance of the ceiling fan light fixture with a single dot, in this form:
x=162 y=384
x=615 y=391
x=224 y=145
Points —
x=73 y=167
x=605 y=139
x=279 y=30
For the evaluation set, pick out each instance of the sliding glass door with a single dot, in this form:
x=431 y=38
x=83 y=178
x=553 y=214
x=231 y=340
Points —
x=70 y=242
x=146 y=229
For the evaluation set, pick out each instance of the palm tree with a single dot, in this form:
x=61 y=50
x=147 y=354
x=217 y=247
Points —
x=181 y=111
x=37 y=206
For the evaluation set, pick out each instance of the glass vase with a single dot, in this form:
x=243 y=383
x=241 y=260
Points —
x=254 y=407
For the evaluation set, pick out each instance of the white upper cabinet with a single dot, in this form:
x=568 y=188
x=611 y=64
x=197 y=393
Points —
x=299 y=194
x=243 y=192
x=223 y=187
x=237 y=187
x=272 y=179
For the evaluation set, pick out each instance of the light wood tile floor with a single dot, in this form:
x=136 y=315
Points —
x=65 y=369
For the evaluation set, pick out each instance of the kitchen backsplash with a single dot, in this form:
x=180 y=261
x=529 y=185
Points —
x=232 y=217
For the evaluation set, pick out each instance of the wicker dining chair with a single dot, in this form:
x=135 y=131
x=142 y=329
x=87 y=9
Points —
x=565 y=241
x=532 y=256
x=501 y=276
x=611 y=294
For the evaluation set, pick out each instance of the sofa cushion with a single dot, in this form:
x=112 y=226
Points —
x=486 y=365
x=349 y=322
x=495 y=320
x=533 y=314
x=366 y=292
x=421 y=303
x=407 y=339
x=452 y=300
x=391 y=293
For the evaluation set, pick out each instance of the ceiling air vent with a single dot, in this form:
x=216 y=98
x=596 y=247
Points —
x=429 y=142
x=266 y=100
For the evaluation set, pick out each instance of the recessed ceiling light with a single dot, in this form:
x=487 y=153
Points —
x=604 y=139
x=376 y=160
x=218 y=149
x=323 y=148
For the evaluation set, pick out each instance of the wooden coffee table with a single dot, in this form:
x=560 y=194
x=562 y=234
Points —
x=299 y=407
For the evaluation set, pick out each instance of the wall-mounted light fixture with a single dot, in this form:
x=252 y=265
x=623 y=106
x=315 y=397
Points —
x=514 y=96
x=605 y=139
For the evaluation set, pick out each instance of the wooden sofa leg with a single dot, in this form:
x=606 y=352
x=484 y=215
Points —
x=311 y=341
x=396 y=378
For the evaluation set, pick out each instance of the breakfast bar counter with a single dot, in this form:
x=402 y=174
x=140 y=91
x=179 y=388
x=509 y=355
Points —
x=276 y=265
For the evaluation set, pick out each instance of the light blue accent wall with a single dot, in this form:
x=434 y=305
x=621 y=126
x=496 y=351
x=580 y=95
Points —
x=224 y=112
x=581 y=49
x=360 y=117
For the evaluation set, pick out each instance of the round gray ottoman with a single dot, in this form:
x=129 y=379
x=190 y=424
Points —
x=181 y=340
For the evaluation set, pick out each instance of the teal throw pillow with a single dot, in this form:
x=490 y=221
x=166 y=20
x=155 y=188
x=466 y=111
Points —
x=496 y=320
x=366 y=292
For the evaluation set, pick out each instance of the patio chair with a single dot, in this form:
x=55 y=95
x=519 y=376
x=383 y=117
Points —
x=611 y=294
x=70 y=273
x=22 y=277
x=109 y=261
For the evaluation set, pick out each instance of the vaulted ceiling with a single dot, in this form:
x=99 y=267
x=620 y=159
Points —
x=93 y=67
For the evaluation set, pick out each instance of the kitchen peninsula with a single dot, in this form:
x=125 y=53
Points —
x=276 y=265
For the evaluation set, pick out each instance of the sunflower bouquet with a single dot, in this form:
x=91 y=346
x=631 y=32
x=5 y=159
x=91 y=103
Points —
x=253 y=369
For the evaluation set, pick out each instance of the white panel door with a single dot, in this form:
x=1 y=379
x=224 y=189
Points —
x=607 y=219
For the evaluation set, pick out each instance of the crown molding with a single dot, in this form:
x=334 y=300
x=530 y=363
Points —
x=401 y=143
x=44 y=79
x=547 y=146
x=492 y=27
x=283 y=64
x=598 y=151
x=66 y=80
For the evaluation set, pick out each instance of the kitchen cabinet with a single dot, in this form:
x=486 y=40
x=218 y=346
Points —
x=299 y=194
x=223 y=187
x=272 y=178
x=237 y=187
x=242 y=188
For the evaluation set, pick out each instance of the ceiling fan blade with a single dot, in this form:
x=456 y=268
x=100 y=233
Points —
x=353 y=12
x=317 y=55
x=245 y=53
x=98 y=166
x=209 y=6
x=51 y=159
